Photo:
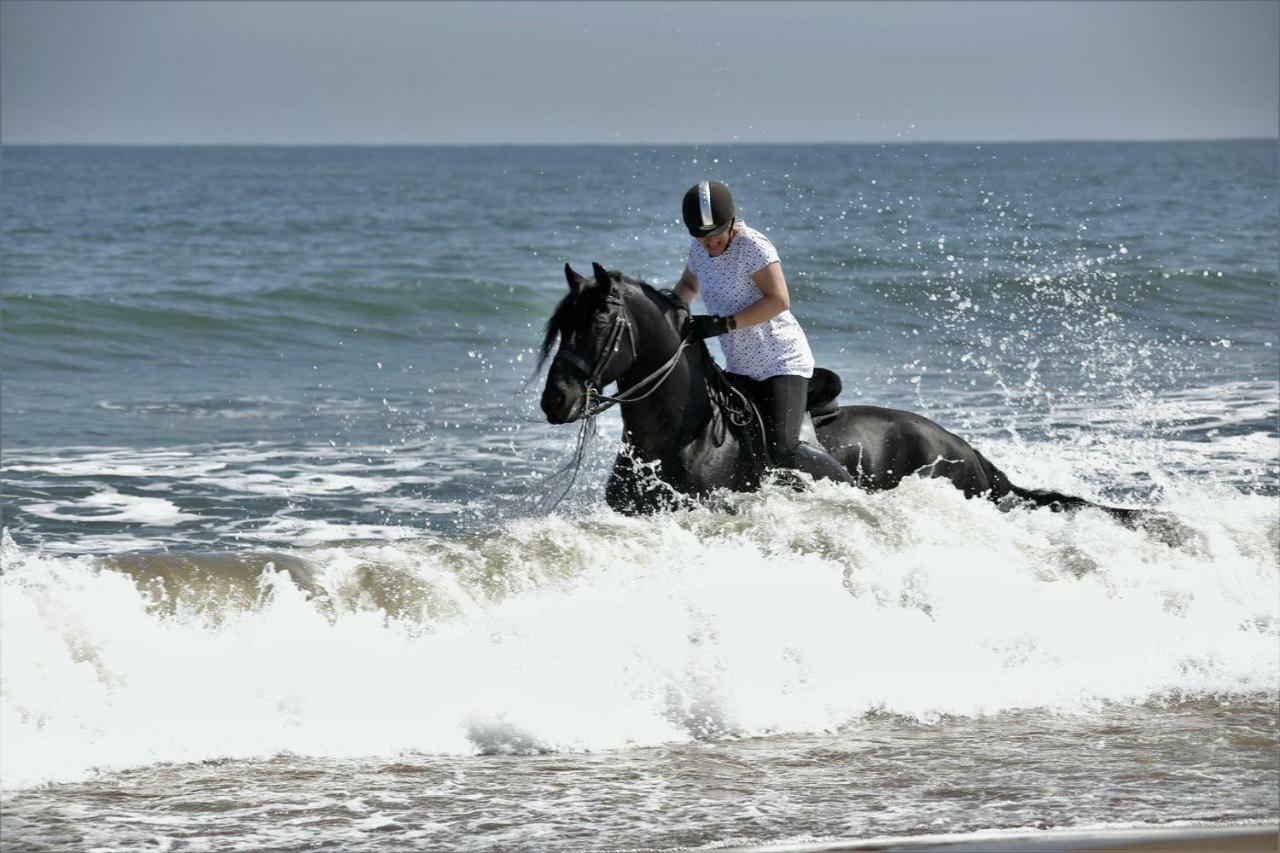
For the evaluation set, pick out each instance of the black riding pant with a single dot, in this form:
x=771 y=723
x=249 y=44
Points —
x=782 y=401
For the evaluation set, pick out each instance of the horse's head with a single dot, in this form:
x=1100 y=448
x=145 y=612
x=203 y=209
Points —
x=597 y=343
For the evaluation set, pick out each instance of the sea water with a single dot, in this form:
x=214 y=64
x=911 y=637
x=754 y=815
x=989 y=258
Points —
x=278 y=570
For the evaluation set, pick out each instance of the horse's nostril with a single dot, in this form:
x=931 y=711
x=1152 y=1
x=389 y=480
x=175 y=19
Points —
x=556 y=404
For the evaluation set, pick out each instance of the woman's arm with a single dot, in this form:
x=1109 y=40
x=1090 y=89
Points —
x=775 y=300
x=687 y=287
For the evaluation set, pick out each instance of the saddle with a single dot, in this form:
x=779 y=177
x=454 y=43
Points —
x=734 y=403
x=824 y=387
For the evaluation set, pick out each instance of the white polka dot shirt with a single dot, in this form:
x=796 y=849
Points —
x=774 y=348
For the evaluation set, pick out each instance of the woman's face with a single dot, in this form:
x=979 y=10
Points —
x=717 y=243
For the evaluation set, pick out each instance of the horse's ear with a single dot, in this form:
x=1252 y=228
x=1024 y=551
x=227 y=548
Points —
x=601 y=274
x=575 y=281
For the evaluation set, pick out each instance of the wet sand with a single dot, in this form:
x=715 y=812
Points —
x=1237 y=838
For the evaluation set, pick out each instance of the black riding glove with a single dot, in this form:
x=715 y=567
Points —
x=703 y=326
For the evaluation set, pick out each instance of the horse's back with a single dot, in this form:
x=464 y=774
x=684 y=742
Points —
x=881 y=446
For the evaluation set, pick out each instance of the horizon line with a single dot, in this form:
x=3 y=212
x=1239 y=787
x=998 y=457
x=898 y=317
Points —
x=740 y=143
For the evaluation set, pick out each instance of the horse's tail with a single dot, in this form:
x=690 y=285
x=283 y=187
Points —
x=1002 y=488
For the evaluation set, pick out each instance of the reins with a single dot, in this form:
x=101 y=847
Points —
x=621 y=325
x=638 y=391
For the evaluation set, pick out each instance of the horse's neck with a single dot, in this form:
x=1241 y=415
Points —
x=677 y=411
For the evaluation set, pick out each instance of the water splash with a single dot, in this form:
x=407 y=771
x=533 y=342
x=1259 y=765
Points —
x=789 y=613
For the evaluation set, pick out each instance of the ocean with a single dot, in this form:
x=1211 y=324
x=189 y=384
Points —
x=279 y=572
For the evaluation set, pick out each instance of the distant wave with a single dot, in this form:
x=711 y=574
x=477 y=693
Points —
x=95 y=331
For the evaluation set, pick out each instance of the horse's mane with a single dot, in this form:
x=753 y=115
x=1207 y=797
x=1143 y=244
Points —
x=570 y=305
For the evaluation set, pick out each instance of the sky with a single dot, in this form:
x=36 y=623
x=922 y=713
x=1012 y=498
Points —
x=635 y=72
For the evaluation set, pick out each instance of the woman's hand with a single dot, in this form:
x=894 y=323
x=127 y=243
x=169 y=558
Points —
x=705 y=326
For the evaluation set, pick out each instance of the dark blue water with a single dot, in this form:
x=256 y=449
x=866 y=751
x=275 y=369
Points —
x=388 y=300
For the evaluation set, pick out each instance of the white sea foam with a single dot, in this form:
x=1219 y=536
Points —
x=109 y=505
x=178 y=463
x=299 y=482
x=307 y=532
x=797 y=612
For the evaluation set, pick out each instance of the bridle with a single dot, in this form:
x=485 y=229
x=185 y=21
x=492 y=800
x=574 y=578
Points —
x=620 y=325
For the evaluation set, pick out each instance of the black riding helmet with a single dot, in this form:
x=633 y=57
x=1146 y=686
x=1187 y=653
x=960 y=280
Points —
x=707 y=208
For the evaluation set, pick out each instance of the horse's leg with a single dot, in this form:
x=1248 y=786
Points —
x=622 y=492
x=633 y=490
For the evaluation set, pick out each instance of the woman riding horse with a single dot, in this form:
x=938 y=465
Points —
x=684 y=434
x=738 y=273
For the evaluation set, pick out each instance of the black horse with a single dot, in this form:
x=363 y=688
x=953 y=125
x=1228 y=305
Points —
x=688 y=432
